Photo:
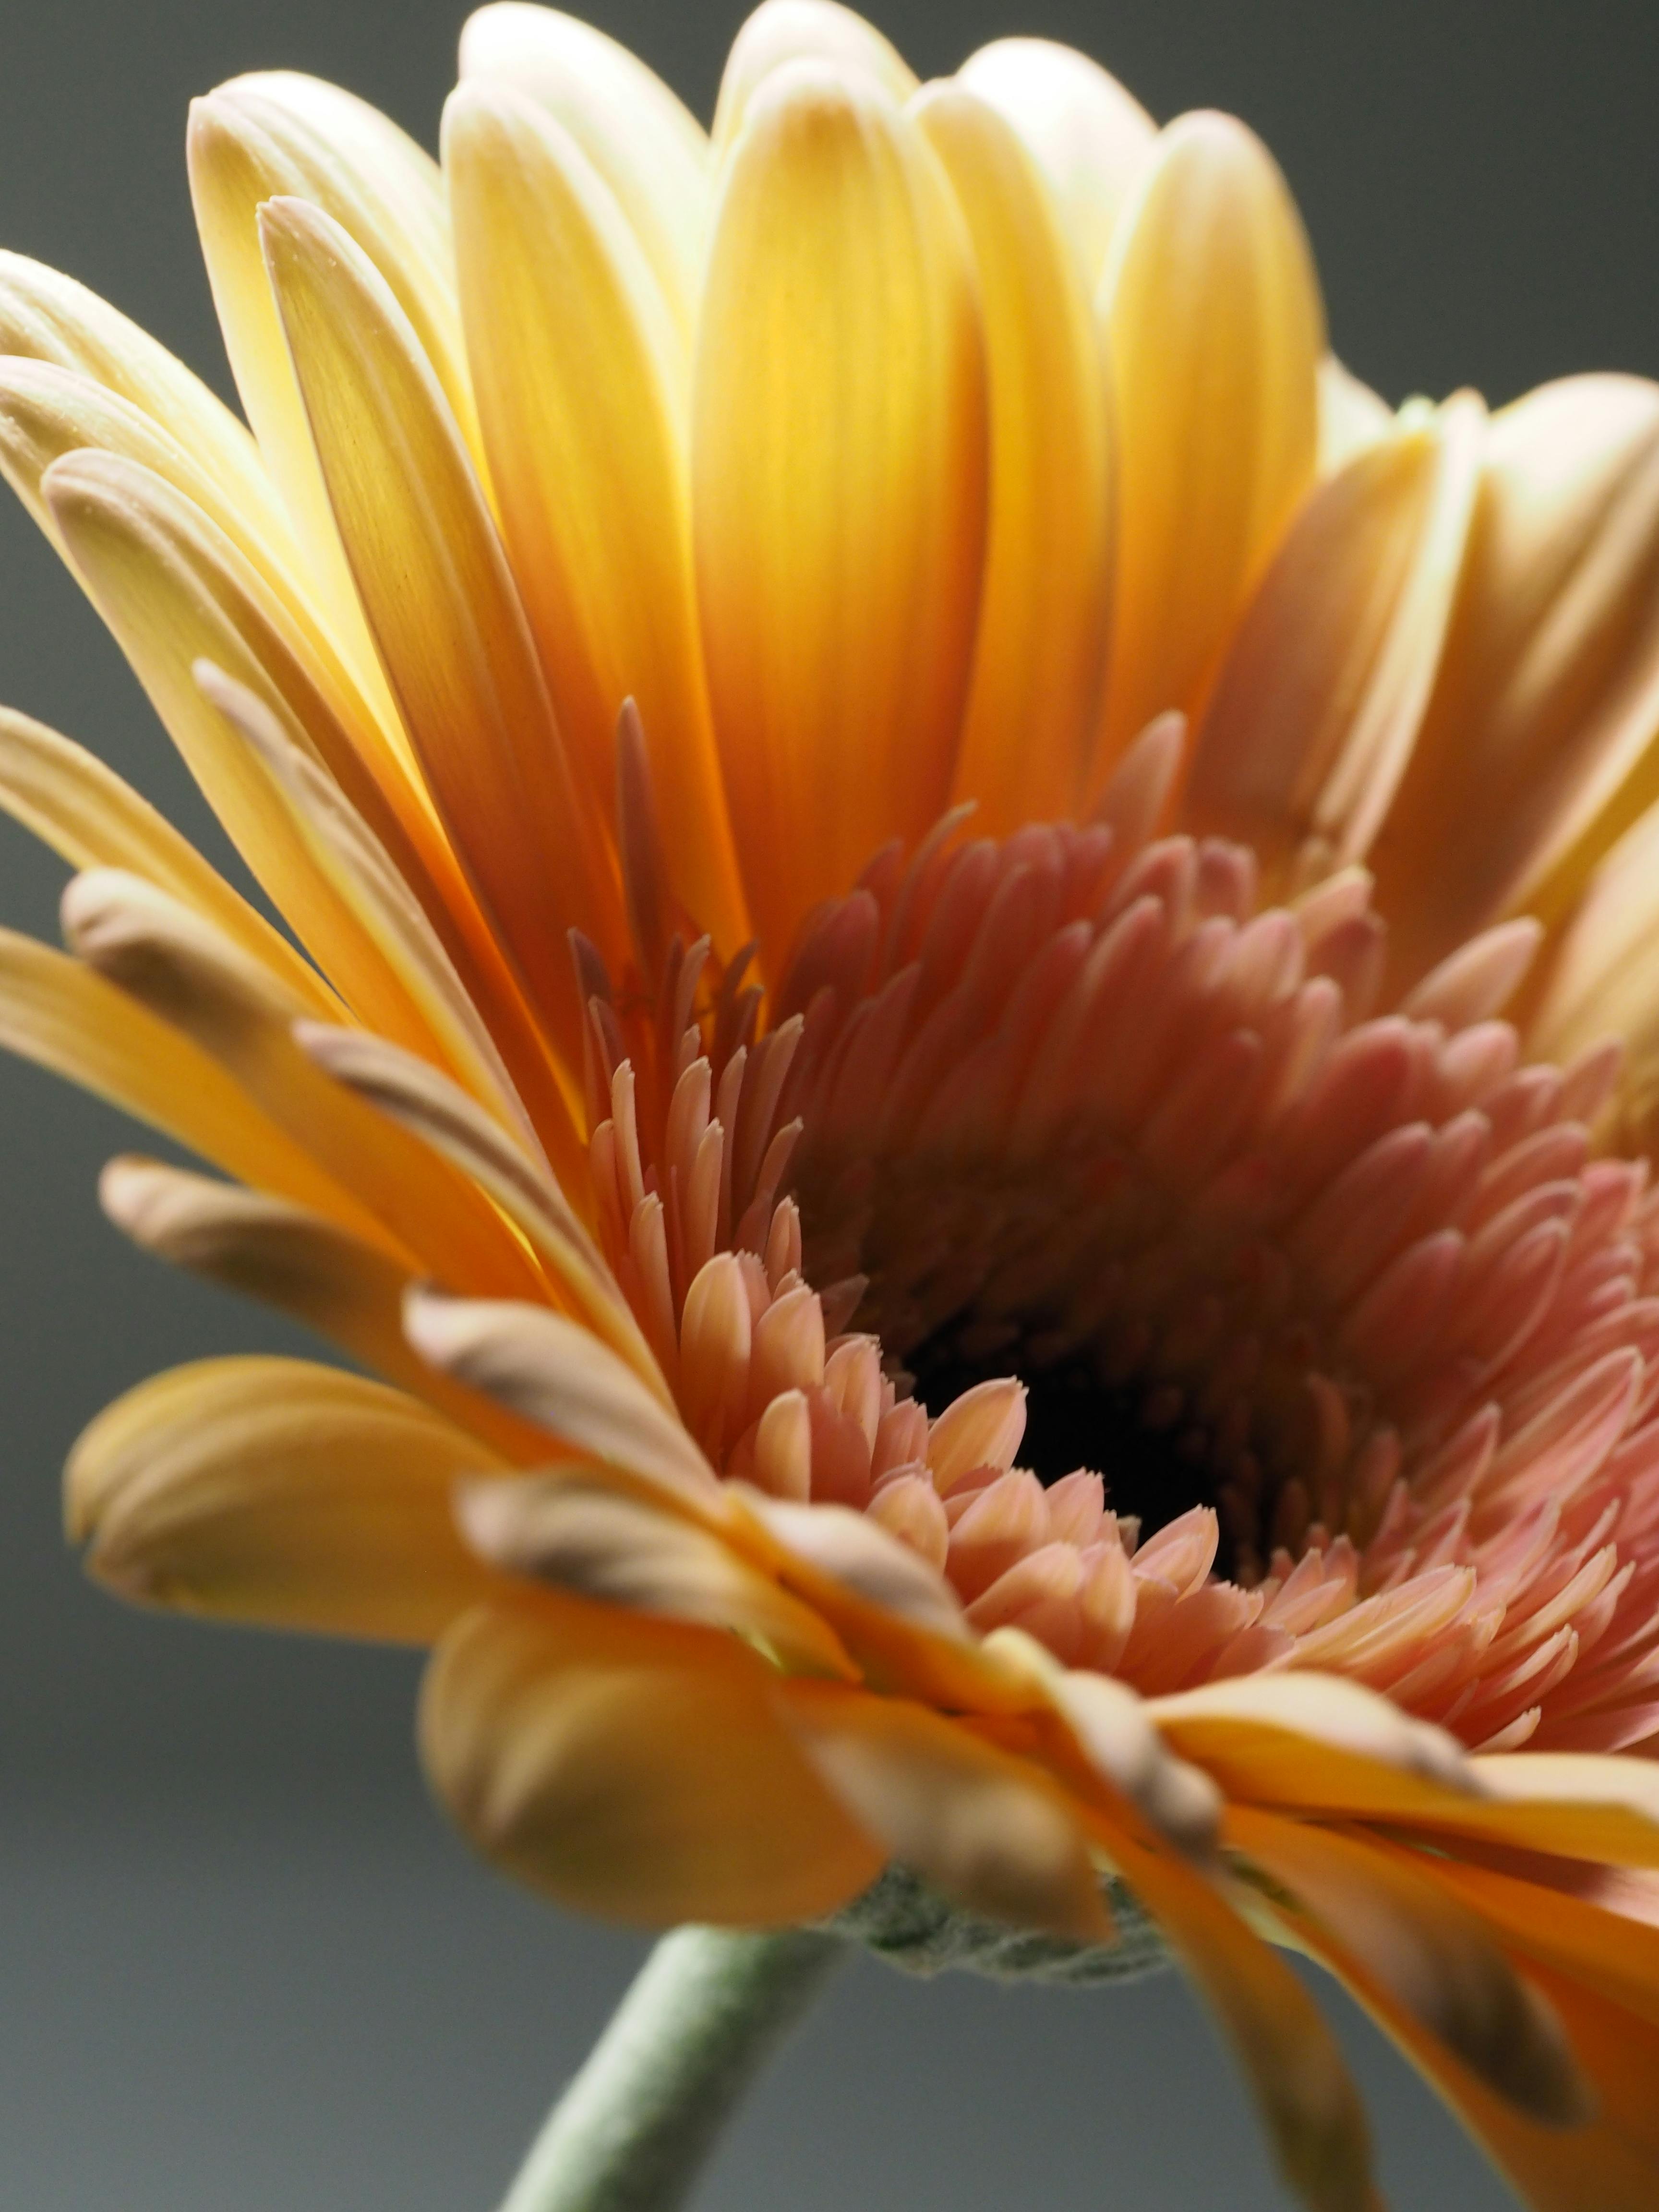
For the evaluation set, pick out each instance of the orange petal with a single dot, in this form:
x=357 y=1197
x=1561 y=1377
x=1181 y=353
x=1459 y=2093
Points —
x=276 y=1491
x=633 y=1768
x=838 y=458
x=443 y=605
x=579 y=391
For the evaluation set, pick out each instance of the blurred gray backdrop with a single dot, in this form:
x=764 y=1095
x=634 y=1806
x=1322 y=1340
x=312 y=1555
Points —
x=242 y=1963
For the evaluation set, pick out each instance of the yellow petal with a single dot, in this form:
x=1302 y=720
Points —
x=783 y=31
x=59 y=1014
x=178 y=965
x=266 y=1248
x=989 y=1830
x=1029 y=722
x=649 y=148
x=579 y=391
x=1091 y=136
x=838 y=483
x=174 y=591
x=276 y=1491
x=280 y=132
x=1429 y=1953
x=48 y=413
x=1318 y=702
x=1214 y=332
x=1538 y=749
x=443 y=1116
x=1352 y=416
x=414 y=997
x=602 y=1544
x=86 y=813
x=46 y=317
x=633 y=1768
x=441 y=603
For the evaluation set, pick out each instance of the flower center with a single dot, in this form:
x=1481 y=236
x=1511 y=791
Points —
x=1080 y=1224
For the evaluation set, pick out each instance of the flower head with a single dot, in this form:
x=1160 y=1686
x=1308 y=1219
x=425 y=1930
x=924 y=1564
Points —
x=975 y=1043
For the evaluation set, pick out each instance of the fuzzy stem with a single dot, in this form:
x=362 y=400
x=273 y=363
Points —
x=634 y=2128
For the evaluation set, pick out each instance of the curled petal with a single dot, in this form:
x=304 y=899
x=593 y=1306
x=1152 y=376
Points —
x=277 y=1491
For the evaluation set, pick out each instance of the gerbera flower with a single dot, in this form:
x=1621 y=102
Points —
x=974 y=1045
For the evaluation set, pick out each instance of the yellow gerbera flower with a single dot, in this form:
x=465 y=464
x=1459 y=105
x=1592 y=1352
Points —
x=914 y=821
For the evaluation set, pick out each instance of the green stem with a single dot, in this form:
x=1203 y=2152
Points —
x=634 y=2128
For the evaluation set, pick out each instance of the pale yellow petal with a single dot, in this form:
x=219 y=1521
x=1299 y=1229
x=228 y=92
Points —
x=293 y=1259
x=783 y=31
x=579 y=393
x=1314 y=714
x=1091 y=137
x=177 y=964
x=633 y=1768
x=1352 y=416
x=275 y=1491
x=649 y=148
x=1038 y=655
x=989 y=1830
x=46 y=317
x=174 y=591
x=838 y=458
x=1538 y=748
x=442 y=602
x=1214 y=332
x=86 y=813
x=59 y=1014
x=46 y=412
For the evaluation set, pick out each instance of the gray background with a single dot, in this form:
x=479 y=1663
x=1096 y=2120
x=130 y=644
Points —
x=242 y=1963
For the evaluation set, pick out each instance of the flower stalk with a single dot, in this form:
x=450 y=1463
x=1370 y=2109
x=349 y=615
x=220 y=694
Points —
x=638 y=2122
